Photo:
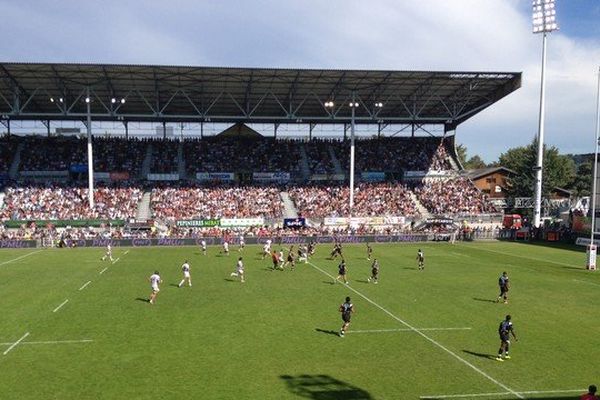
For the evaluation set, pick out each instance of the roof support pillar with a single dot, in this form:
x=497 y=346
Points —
x=311 y=126
x=126 y=129
x=164 y=129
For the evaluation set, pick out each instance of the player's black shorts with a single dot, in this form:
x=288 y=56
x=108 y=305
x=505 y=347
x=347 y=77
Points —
x=504 y=338
x=503 y=289
x=290 y=259
x=346 y=317
x=275 y=263
x=375 y=272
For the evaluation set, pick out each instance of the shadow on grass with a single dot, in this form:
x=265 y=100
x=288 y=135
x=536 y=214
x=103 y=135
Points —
x=230 y=280
x=481 y=355
x=486 y=300
x=323 y=387
x=410 y=268
x=361 y=281
x=174 y=285
x=142 y=299
x=327 y=331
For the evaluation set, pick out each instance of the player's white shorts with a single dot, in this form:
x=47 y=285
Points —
x=155 y=289
x=186 y=274
x=240 y=271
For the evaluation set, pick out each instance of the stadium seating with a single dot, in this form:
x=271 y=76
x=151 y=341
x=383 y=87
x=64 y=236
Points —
x=453 y=196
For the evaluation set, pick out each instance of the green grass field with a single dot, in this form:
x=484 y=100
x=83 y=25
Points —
x=275 y=336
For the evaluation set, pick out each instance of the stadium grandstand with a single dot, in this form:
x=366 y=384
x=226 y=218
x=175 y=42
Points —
x=389 y=166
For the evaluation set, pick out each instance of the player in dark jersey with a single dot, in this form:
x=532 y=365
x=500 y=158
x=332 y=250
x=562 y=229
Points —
x=504 y=286
x=347 y=308
x=374 y=272
x=369 y=251
x=421 y=260
x=342 y=272
x=337 y=251
x=311 y=248
x=505 y=330
x=290 y=258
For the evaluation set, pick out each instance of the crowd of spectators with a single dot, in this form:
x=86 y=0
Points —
x=52 y=153
x=222 y=154
x=370 y=199
x=53 y=201
x=319 y=159
x=164 y=156
x=453 y=196
x=119 y=155
x=7 y=150
x=208 y=202
x=389 y=154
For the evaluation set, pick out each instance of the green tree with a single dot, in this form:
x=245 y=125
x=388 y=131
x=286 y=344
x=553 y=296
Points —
x=474 y=162
x=582 y=183
x=559 y=170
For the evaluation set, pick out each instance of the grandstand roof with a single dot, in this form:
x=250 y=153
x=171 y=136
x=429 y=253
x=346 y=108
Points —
x=41 y=91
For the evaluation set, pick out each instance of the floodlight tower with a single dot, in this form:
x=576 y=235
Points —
x=544 y=22
x=90 y=151
x=353 y=105
x=591 y=250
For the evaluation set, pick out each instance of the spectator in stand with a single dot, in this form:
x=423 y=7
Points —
x=453 y=196
x=216 y=202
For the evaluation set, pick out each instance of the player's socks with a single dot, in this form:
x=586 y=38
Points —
x=181 y=283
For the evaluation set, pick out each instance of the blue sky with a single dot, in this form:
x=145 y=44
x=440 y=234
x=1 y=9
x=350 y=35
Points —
x=387 y=34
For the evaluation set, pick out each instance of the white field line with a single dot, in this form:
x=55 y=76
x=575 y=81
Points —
x=126 y=252
x=118 y=258
x=101 y=272
x=12 y=346
x=85 y=285
x=431 y=340
x=589 y=283
x=407 y=330
x=520 y=256
x=19 y=258
x=471 y=395
x=51 y=342
x=60 y=306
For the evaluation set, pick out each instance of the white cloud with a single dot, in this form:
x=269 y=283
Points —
x=489 y=35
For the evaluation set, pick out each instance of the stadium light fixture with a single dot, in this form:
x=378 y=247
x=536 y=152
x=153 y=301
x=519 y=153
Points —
x=591 y=250
x=353 y=104
x=544 y=22
x=329 y=104
x=123 y=101
x=51 y=99
x=113 y=100
x=379 y=105
x=87 y=100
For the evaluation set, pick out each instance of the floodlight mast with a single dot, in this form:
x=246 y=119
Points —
x=90 y=152
x=353 y=106
x=594 y=183
x=544 y=21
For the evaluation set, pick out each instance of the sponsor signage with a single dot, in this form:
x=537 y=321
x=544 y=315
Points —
x=78 y=168
x=239 y=222
x=326 y=177
x=215 y=176
x=442 y=221
x=163 y=177
x=294 y=222
x=44 y=173
x=427 y=174
x=121 y=176
x=342 y=221
x=198 y=223
x=371 y=176
x=100 y=176
x=271 y=176
x=17 y=244
x=585 y=241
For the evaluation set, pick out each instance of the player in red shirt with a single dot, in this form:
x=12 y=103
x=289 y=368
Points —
x=591 y=394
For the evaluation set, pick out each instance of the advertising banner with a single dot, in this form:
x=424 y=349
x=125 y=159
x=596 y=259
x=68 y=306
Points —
x=294 y=223
x=198 y=223
x=215 y=176
x=240 y=222
x=371 y=176
x=78 y=168
x=120 y=176
x=163 y=177
x=271 y=176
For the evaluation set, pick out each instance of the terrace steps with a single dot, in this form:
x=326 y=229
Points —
x=143 y=212
x=289 y=208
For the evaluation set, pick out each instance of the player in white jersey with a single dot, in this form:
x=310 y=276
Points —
x=108 y=253
x=242 y=243
x=280 y=258
x=203 y=246
x=185 y=268
x=239 y=270
x=266 y=251
x=154 y=282
x=226 y=247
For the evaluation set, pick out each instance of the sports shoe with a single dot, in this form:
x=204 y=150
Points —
x=499 y=358
x=507 y=357
x=376 y=282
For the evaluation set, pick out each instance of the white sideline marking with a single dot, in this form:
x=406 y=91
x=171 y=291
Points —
x=408 y=330
x=520 y=256
x=589 y=283
x=101 y=272
x=12 y=346
x=118 y=258
x=431 y=340
x=85 y=285
x=464 y=396
x=126 y=252
x=51 y=342
x=18 y=258
x=61 y=304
